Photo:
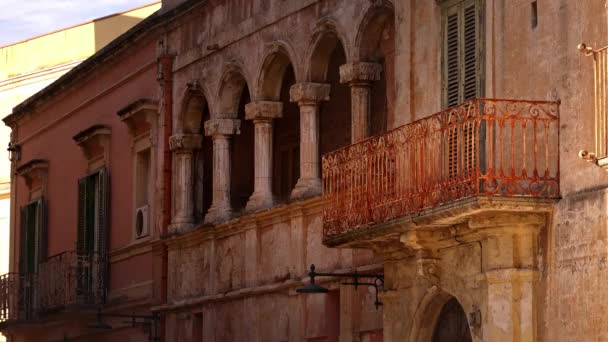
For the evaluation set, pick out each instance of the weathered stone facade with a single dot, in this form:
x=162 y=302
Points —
x=252 y=93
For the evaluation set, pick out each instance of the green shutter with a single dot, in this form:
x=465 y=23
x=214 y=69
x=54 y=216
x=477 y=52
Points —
x=41 y=230
x=462 y=52
x=102 y=211
x=30 y=237
x=23 y=240
x=82 y=226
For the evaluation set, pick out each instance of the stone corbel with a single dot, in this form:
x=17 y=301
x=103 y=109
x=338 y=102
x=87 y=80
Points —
x=222 y=127
x=427 y=263
x=95 y=142
x=140 y=116
x=360 y=72
x=35 y=172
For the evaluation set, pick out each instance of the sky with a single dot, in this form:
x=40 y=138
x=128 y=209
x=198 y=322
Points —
x=22 y=19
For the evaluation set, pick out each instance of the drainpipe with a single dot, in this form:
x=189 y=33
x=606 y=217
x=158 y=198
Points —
x=166 y=67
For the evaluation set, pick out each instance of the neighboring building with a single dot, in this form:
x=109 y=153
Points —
x=28 y=66
x=188 y=186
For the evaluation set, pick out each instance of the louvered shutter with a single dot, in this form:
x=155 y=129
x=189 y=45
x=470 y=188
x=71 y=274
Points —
x=461 y=82
x=461 y=52
x=102 y=208
x=41 y=230
x=452 y=59
x=102 y=212
x=23 y=240
x=470 y=60
x=82 y=217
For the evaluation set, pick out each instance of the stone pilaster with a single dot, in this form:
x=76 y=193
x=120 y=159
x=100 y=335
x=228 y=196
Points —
x=183 y=147
x=221 y=131
x=262 y=113
x=309 y=96
x=511 y=276
x=360 y=76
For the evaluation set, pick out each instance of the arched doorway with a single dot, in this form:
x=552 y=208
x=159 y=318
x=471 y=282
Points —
x=452 y=324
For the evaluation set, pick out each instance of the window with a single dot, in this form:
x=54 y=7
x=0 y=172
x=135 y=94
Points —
x=462 y=51
x=91 y=246
x=33 y=236
x=92 y=213
x=142 y=193
x=462 y=81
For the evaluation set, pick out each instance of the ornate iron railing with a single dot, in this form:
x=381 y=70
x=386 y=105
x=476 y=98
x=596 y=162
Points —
x=70 y=278
x=484 y=147
x=63 y=280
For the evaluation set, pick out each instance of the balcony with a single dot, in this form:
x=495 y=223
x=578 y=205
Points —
x=67 y=281
x=485 y=149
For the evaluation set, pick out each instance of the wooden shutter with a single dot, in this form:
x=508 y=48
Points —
x=470 y=60
x=102 y=211
x=452 y=59
x=41 y=230
x=462 y=72
x=82 y=219
x=23 y=240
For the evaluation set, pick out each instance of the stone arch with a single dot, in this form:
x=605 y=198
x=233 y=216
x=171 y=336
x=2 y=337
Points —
x=375 y=42
x=278 y=57
x=233 y=83
x=428 y=313
x=326 y=36
x=377 y=18
x=191 y=111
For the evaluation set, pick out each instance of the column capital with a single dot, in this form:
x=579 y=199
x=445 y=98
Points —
x=309 y=92
x=360 y=72
x=263 y=110
x=185 y=142
x=222 y=127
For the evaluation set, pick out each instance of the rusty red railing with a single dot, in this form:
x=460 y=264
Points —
x=484 y=147
x=62 y=280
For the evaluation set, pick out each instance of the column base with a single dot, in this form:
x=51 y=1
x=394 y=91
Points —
x=259 y=201
x=181 y=227
x=217 y=215
x=306 y=188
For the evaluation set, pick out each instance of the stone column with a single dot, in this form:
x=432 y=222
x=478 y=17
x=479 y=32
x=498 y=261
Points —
x=360 y=76
x=309 y=96
x=221 y=131
x=183 y=146
x=262 y=113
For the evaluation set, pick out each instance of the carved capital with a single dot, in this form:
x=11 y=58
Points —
x=309 y=92
x=360 y=72
x=264 y=110
x=222 y=127
x=185 y=142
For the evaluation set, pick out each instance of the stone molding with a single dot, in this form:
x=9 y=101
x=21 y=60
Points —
x=309 y=92
x=94 y=141
x=360 y=72
x=138 y=114
x=185 y=142
x=222 y=127
x=35 y=170
x=264 y=110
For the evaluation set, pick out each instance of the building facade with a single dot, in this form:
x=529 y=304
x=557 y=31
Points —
x=28 y=66
x=424 y=156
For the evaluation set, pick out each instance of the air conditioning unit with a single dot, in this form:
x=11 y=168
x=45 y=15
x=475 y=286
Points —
x=142 y=227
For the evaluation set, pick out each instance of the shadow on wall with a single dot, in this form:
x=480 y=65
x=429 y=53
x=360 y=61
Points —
x=108 y=28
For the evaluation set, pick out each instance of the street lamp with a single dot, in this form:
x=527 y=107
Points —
x=312 y=287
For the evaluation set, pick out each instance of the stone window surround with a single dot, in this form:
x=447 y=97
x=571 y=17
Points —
x=95 y=144
x=140 y=117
